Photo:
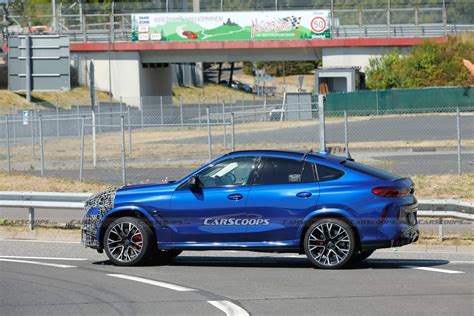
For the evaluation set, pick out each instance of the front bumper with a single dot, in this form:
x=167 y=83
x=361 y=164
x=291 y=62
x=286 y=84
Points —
x=95 y=208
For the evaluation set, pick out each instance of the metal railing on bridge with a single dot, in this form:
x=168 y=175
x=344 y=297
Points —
x=350 y=19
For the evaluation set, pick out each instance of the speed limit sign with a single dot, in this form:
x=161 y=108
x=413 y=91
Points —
x=318 y=24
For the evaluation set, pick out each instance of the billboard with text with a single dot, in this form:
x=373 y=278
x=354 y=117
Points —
x=231 y=26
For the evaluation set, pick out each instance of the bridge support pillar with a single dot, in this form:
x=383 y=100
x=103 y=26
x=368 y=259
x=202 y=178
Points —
x=131 y=78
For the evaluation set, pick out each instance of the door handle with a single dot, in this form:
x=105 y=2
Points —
x=304 y=195
x=235 y=197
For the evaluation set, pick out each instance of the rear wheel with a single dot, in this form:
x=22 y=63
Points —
x=329 y=243
x=129 y=241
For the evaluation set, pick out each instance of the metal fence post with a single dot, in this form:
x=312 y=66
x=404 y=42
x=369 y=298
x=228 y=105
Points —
x=141 y=112
x=14 y=126
x=57 y=121
x=99 y=120
x=458 y=132
x=376 y=101
x=41 y=144
x=81 y=162
x=31 y=218
x=32 y=131
x=440 y=229
x=224 y=124
x=78 y=121
x=181 y=113
x=94 y=141
x=161 y=110
x=232 y=123
x=129 y=129
x=322 y=128
x=199 y=113
x=122 y=133
x=209 y=136
x=7 y=135
x=346 y=135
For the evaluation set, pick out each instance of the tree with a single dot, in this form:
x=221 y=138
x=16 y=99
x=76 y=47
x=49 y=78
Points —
x=430 y=64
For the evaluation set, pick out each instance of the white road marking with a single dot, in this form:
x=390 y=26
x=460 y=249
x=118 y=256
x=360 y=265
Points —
x=434 y=269
x=45 y=258
x=229 y=308
x=46 y=241
x=423 y=252
x=153 y=282
x=39 y=263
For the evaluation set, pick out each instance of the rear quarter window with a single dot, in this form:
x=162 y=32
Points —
x=371 y=171
x=326 y=173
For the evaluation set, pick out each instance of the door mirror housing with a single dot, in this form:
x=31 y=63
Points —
x=194 y=182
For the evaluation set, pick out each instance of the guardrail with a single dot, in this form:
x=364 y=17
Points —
x=42 y=200
x=63 y=201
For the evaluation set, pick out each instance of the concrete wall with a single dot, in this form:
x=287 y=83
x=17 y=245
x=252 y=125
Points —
x=130 y=80
x=336 y=57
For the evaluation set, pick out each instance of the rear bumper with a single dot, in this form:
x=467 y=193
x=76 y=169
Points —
x=406 y=237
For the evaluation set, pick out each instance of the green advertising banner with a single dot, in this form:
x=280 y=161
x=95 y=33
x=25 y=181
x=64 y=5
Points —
x=231 y=26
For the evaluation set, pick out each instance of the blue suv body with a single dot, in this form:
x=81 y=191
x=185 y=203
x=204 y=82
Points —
x=331 y=208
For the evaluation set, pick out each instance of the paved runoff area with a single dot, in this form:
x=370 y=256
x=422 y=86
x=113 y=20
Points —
x=56 y=277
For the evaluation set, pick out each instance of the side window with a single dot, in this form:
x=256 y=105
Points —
x=326 y=173
x=285 y=171
x=232 y=172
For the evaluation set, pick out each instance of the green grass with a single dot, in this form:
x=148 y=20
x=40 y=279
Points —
x=10 y=100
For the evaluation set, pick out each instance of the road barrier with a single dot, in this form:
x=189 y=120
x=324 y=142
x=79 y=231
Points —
x=42 y=200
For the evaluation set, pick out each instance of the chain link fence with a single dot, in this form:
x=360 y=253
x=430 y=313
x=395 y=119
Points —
x=124 y=144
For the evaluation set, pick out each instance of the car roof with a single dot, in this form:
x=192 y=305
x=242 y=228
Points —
x=322 y=156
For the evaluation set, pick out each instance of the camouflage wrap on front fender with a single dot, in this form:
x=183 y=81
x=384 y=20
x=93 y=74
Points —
x=96 y=207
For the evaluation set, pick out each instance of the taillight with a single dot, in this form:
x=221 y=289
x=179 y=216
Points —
x=391 y=191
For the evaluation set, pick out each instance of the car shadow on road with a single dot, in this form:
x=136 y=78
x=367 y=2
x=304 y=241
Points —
x=285 y=262
x=279 y=262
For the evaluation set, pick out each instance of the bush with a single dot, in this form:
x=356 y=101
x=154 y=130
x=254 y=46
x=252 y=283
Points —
x=430 y=64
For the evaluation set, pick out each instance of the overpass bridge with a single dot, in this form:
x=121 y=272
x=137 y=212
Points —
x=103 y=33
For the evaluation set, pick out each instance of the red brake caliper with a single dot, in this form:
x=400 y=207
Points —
x=136 y=238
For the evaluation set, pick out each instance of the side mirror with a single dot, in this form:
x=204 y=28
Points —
x=193 y=182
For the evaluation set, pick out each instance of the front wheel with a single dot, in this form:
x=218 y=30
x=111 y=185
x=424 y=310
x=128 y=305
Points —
x=329 y=243
x=129 y=241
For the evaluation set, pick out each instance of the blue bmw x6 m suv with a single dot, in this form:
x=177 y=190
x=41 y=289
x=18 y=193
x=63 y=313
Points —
x=332 y=209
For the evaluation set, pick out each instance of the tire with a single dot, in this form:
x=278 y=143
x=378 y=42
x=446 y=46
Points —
x=329 y=243
x=129 y=241
x=361 y=255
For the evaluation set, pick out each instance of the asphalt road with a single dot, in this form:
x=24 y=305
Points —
x=375 y=129
x=45 y=278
